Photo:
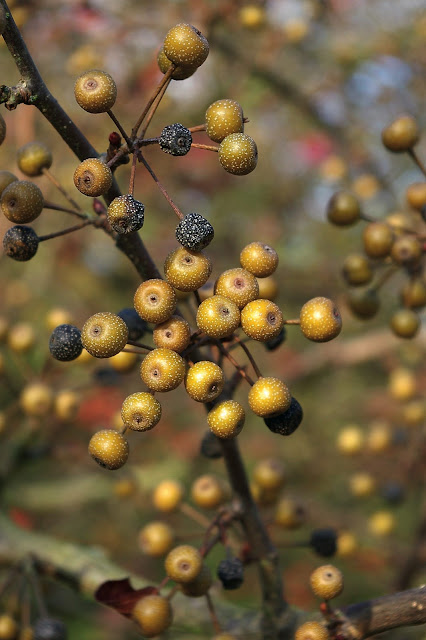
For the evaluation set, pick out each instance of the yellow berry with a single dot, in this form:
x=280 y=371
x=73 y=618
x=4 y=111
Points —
x=155 y=300
x=268 y=396
x=320 y=320
x=92 y=177
x=401 y=135
x=350 y=440
x=156 y=539
x=207 y=492
x=162 y=370
x=382 y=523
x=259 y=258
x=261 y=320
x=327 y=582
x=186 y=46
x=223 y=117
x=104 y=334
x=204 y=381
x=238 y=154
x=109 y=449
x=33 y=157
x=218 y=317
x=183 y=563
x=95 y=91
x=311 y=631
x=140 y=411
x=153 y=614
x=36 y=399
x=239 y=285
x=187 y=270
x=167 y=495
x=226 y=419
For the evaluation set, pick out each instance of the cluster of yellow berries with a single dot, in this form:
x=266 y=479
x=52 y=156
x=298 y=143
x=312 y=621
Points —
x=390 y=245
x=234 y=303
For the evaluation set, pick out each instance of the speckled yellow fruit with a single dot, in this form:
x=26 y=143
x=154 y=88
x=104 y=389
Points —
x=162 y=370
x=156 y=539
x=198 y=587
x=402 y=384
x=153 y=614
x=187 y=270
x=259 y=258
x=416 y=195
x=36 y=399
x=382 y=523
x=401 y=134
x=226 y=419
x=183 y=563
x=350 y=440
x=66 y=405
x=208 y=492
x=239 y=285
x=379 y=437
x=269 y=474
x=185 y=45
x=347 y=544
x=204 y=381
x=6 y=178
x=343 y=209
x=174 y=333
x=57 y=316
x=104 y=334
x=327 y=582
x=365 y=186
x=140 y=411
x=8 y=627
x=289 y=514
x=362 y=484
x=33 y=157
x=262 y=320
x=21 y=337
x=95 y=91
x=167 y=495
x=320 y=320
x=268 y=396
x=224 y=117
x=252 y=16
x=268 y=287
x=155 y=300
x=238 y=154
x=218 y=317
x=311 y=631
x=180 y=73
x=22 y=201
x=109 y=449
x=92 y=177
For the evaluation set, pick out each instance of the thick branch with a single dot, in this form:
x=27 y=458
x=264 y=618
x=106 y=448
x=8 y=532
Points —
x=38 y=94
x=401 y=609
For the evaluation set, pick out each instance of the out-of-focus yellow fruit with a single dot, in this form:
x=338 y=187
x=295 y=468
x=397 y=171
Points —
x=350 y=440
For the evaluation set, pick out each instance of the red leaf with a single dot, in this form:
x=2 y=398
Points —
x=120 y=595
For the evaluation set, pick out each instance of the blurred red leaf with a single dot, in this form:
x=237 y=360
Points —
x=21 y=518
x=120 y=595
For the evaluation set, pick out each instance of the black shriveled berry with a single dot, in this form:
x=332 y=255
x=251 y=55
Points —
x=274 y=343
x=136 y=326
x=210 y=446
x=231 y=573
x=286 y=423
x=175 y=139
x=20 y=243
x=324 y=542
x=65 y=342
x=125 y=214
x=194 y=232
x=49 y=629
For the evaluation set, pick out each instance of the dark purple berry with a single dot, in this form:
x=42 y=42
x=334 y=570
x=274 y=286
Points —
x=125 y=214
x=210 y=446
x=65 y=343
x=324 y=542
x=393 y=492
x=194 y=232
x=136 y=326
x=175 y=139
x=286 y=423
x=20 y=243
x=274 y=343
x=49 y=629
x=231 y=573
